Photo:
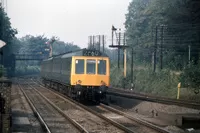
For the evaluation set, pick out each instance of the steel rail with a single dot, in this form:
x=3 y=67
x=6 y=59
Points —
x=151 y=98
x=145 y=123
x=132 y=95
x=77 y=125
x=36 y=113
x=65 y=98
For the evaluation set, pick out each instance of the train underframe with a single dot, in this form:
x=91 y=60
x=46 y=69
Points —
x=78 y=92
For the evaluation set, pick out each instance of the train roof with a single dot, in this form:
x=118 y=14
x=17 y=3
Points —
x=80 y=52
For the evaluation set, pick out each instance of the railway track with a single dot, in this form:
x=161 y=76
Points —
x=44 y=127
x=84 y=118
x=51 y=118
x=134 y=122
x=122 y=120
x=133 y=95
x=21 y=108
x=151 y=98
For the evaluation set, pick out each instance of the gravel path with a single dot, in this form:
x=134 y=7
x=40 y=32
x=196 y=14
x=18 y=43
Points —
x=21 y=108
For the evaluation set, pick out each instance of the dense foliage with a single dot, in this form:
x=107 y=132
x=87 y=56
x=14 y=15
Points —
x=190 y=76
x=178 y=35
x=180 y=21
x=37 y=45
x=60 y=47
x=7 y=34
x=33 y=45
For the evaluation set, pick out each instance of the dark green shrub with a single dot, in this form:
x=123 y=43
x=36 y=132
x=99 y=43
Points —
x=191 y=76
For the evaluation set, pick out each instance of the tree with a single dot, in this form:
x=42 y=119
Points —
x=34 y=45
x=38 y=45
x=7 y=34
x=181 y=27
x=60 y=47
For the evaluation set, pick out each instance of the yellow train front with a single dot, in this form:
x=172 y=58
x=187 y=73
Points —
x=83 y=74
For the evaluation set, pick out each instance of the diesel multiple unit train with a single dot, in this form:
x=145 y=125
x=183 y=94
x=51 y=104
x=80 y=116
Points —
x=83 y=74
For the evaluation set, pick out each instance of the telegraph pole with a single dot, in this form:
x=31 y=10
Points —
x=155 y=50
x=124 y=60
x=124 y=63
x=189 y=53
x=161 y=48
x=119 y=49
x=132 y=68
x=124 y=41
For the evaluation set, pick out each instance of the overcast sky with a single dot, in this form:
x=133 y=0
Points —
x=70 y=20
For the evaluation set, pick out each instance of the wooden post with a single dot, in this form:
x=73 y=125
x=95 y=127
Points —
x=124 y=59
x=178 y=91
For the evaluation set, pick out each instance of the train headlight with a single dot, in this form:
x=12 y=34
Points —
x=79 y=81
x=102 y=82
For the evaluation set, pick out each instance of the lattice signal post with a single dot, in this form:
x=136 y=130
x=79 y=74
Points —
x=120 y=38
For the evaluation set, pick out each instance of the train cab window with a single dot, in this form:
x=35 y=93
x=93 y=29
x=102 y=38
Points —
x=91 y=66
x=79 y=66
x=102 y=67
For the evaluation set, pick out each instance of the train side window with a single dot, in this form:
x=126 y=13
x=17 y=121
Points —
x=91 y=66
x=66 y=66
x=102 y=67
x=79 y=66
x=56 y=65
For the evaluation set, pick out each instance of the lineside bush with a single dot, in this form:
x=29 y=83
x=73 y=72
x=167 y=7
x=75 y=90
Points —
x=162 y=83
x=190 y=77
